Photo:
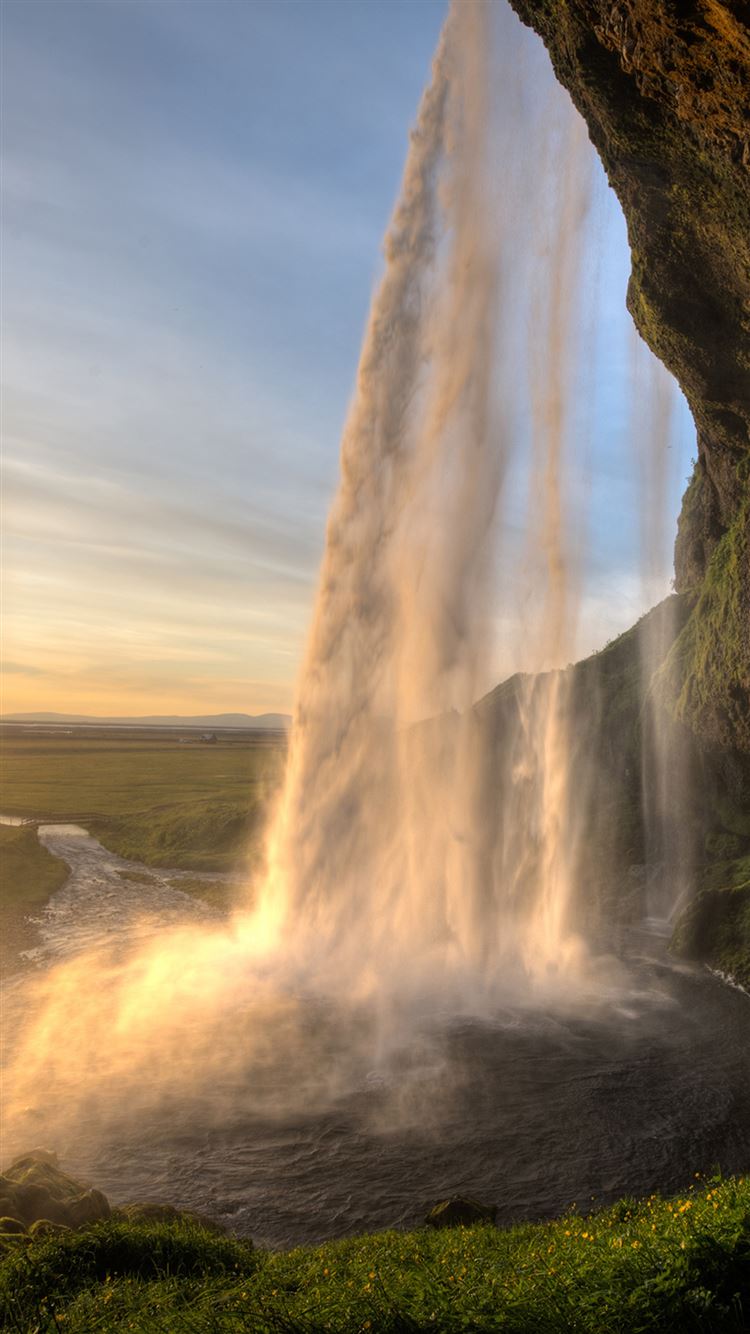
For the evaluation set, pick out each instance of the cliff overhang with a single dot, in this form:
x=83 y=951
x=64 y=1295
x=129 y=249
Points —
x=665 y=91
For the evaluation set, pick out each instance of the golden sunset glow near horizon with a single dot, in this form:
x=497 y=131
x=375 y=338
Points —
x=186 y=276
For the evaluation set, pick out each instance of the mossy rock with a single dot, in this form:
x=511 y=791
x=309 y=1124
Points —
x=460 y=1211
x=715 y=927
x=722 y=846
x=34 y=1188
x=708 y=670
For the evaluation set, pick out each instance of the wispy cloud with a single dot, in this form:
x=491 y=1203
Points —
x=193 y=200
x=20 y=669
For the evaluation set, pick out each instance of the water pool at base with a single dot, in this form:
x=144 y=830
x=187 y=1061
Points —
x=532 y=1110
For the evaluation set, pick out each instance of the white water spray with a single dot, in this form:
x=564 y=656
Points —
x=375 y=879
x=366 y=868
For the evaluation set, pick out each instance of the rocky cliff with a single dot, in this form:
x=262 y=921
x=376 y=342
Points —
x=665 y=90
x=665 y=821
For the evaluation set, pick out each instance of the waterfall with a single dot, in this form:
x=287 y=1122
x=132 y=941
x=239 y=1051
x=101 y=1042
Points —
x=378 y=874
x=430 y=838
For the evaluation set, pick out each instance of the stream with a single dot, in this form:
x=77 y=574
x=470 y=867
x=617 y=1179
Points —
x=106 y=896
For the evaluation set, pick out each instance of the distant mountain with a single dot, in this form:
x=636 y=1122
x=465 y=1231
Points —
x=248 y=720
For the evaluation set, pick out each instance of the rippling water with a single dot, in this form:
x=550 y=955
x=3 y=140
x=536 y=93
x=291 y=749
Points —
x=532 y=1111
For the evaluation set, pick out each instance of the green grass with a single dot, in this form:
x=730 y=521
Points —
x=192 y=807
x=188 y=807
x=223 y=895
x=30 y=874
x=707 y=672
x=675 y=1266
x=715 y=926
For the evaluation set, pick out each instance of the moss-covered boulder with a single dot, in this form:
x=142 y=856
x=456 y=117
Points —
x=39 y=1200
x=35 y=1188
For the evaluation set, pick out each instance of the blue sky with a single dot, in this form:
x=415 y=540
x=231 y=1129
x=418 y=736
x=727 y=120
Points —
x=194 y=199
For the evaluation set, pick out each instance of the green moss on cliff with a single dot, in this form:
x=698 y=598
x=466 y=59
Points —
x=715 y=927
x=708 y=668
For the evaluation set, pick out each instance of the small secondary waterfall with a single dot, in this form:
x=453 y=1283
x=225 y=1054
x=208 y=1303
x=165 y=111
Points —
x=670 y=830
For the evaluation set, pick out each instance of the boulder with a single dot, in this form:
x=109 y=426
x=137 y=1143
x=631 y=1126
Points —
x=35 y=1188
x=460 y=1211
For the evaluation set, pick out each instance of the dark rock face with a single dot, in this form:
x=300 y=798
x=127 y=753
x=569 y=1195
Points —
x=614 y=779
x=460 y=1211
x=666 y=819
x=715 y=926
x=665 y=90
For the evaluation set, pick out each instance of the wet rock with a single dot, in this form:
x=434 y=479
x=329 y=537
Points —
x=34 y=1188
x=715 y=925
x=460 y=1211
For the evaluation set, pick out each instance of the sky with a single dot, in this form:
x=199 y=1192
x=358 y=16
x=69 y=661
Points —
x=194 y=199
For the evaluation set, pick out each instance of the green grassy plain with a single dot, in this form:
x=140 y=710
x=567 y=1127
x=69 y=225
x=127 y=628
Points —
x=677 y=1266
x=193 y=807
x=29 y=875
x=30 y=872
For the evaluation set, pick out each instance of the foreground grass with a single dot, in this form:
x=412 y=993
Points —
x=675 y=1266
x=191 y=807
